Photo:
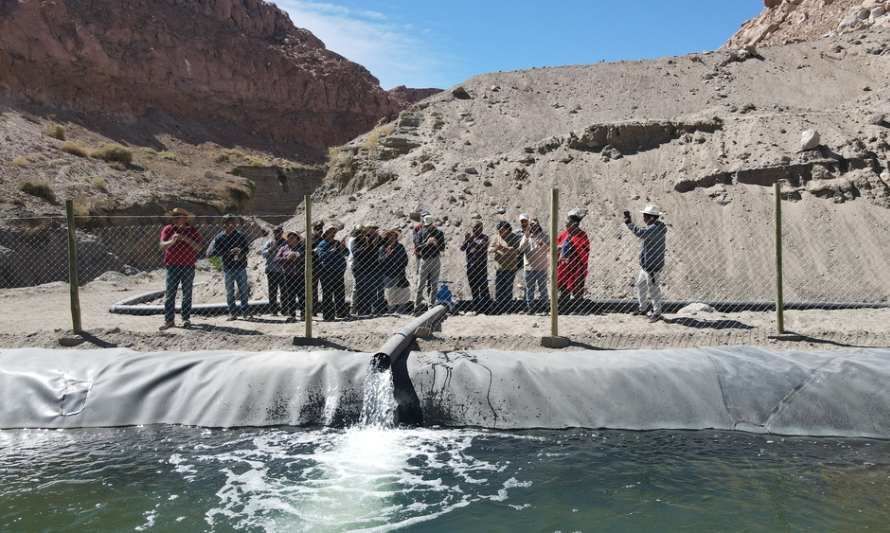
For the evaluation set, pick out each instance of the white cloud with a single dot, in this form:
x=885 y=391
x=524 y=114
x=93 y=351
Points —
x=391 y=51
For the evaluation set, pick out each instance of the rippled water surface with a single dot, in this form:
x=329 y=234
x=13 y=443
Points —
x=191 y=479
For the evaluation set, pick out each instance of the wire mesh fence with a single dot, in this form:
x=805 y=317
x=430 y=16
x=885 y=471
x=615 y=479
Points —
x=242 y=268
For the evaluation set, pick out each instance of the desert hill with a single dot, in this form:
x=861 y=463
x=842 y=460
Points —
x=787 y=21
x=705 y=136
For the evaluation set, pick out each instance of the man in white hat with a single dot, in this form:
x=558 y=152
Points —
x=429 y=243
x=654 y=237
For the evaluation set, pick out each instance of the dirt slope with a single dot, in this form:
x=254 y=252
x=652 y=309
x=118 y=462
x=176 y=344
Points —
x=705 y=136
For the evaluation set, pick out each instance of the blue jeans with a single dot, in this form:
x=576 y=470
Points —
x=535 y=278
x=179 y=275
x=238 y=276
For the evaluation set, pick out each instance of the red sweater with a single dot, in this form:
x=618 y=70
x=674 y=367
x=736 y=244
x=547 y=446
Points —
x=571 y=269
x=180 y=253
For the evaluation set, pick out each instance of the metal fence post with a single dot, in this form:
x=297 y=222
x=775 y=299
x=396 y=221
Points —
x=554 y=340
x=308 y=269
x=780 y=299
x=73 y=278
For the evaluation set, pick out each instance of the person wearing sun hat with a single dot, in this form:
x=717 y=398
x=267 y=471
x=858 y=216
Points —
x=180 y=242
x=654 y=242
x=571 y=266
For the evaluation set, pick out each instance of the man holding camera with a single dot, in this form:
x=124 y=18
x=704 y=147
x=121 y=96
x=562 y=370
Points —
x=654 y=237
x=231 y=246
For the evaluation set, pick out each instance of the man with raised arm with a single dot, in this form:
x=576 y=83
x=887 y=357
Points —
x=654 y=240
x=180 y=242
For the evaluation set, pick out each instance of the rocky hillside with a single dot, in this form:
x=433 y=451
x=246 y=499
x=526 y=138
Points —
x=705 y=136
x=232 y=71
x=788 y=21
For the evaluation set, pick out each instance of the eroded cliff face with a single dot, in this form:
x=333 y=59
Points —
x=788 y=21
x=239 y=68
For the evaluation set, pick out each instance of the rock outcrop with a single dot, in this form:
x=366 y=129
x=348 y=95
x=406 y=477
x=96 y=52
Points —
x=787 y=21
x=237 y=69
x=406 y=96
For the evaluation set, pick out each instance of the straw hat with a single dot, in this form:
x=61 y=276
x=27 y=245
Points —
x=179 y=212
x=652 y=209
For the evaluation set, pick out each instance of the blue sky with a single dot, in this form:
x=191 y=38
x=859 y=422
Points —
x=427 y=43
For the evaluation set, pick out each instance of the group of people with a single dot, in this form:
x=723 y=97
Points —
x=378 y=262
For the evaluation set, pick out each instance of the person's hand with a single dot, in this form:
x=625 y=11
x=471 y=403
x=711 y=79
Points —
x=236 y=251
x=176 y=238
x=432 y=241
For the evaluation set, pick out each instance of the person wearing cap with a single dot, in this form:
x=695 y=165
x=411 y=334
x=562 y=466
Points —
x=571 y=266
x=654 y=241
x=364 y=270
x=523 y=225
x=331 y=255
x=274 y=272
x=180 y=242
x=535 y=249
x=475 y=246
x=393 y=261
x=505 y=248
x=429 y=243
x=231 y=246
x=290 y=260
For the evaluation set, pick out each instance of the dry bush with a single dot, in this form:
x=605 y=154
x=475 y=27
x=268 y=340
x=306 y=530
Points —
x=372 y=140
x=257 y=161
x=113 y=153
x=39 y=189
x=229 y=154
x=21 y=161
x=100 y=183
x=55 y=131
x=74 y=149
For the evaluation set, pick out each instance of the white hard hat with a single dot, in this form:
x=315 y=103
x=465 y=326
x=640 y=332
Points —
x=427 y=220
x=577 y=213
x=522 y=217
x=652 y=209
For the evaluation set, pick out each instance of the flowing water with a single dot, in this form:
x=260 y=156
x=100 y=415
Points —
x=171 y=478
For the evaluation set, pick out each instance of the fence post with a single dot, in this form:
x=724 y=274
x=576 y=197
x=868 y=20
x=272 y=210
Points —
x=308 y=270
x=780 y=299
x=554 y=340
x=73 y=278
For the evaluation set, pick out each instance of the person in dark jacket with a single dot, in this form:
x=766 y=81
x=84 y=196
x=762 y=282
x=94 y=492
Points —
x=475 y=246
x=291 y=262
x=231 y=246
x=393 y=262
x=654 y=237
x=364 y=270
x=429 y=243
x=274 y=274
x=331 y=255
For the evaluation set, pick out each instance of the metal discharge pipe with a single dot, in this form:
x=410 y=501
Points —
x=393 y=355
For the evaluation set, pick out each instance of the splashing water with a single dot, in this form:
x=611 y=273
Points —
x=378 y=403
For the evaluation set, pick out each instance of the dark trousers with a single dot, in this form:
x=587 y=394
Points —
x=276 y=289
x=477 y=275
x=503 y=289
x=176 y=276
x=333 y=295
x=363 y=296
x=292 y=291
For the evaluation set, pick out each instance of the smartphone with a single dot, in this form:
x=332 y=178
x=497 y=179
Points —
x=627 y=214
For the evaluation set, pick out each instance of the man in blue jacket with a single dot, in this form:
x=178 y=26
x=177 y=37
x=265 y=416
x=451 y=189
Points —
x=654 y=237
x=231 y=246
x=331 y=256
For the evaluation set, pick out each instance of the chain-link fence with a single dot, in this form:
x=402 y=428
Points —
x=689 y=275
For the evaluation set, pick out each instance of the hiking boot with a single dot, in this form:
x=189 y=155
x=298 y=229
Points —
x=187 y=324
x=167 y=325
x=654 y=318
x=641 y=312
x=290 y=320
x=232 y=318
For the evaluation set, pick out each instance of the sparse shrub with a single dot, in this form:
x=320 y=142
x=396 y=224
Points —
x=100 y=183
x=74 y=149
x=21 y=161
x=56 y=131
x=372 y=140
x=229 y=154
x=39 y=189
x=169 y=156
x=113 y=153
x=257 y=161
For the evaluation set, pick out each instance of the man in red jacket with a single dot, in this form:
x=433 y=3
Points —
x=181 y=243
x=571 y=267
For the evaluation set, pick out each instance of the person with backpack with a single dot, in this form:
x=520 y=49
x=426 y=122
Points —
x=654 y=242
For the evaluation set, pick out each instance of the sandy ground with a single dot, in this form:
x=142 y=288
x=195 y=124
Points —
x=39 y=316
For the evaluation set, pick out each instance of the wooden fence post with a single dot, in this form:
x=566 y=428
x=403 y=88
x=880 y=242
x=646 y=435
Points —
x=73 y=278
